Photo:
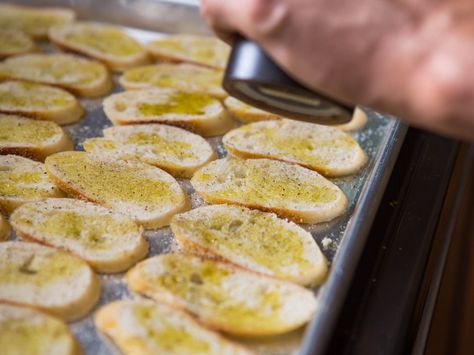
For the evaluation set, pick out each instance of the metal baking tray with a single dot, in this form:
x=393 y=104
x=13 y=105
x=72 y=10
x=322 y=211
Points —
x=341 y=240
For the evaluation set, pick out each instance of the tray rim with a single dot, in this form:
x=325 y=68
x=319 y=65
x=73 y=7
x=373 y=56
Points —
x=333 y=292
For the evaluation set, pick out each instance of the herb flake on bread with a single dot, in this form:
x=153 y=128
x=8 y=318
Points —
x=47 y=279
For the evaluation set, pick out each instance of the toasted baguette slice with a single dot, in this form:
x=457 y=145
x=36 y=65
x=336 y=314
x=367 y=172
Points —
x=223 y=296
x=172 y=149
x=106 y=43
x=358 y=121
x=108 y=241
x=146 y=193
x=288 y=190
x=23 y=180
x=78 y=75
x=26 y=331
x=252 y=239
x=4 y=228
x=47 y=279
x=201 y=50
x=39 y=101
x=148 y=328
x=34 y=21
x=184 y=77
x=327 y=150
x=197 y=112
x=246 y=113
x=31 y=138
x=13 y=42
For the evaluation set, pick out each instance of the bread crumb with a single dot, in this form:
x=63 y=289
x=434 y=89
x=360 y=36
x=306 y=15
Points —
x=326 y=243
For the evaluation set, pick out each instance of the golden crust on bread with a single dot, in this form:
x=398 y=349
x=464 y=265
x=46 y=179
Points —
x=76 y=74
x=35 y=21
x=23 y=180
x=255 y=240
x=39 y=101
x=288 y=190
x=4 y=228
x=246 y=113
x=358 y=121
x=146 y=193
x=223 y=296
x=184 y=77
x=201 y=50
x=327 y=150
x=172 y=149
x=47 y=279
x=27 y=331
x=14 y=42
x=198 y=113
x=103 y=42
x=108 y=241
x=145 y=327
x=35 y=139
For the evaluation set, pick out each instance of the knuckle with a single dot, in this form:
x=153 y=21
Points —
x=204 y=8
x=438 y=87
x=208 y=11
x=265 y=16
x=257 y=9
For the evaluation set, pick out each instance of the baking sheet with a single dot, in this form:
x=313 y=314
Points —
x=340 y=240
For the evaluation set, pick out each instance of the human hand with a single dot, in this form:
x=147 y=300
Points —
x=409 y=58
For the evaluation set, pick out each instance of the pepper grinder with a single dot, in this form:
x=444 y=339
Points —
x=253 y=77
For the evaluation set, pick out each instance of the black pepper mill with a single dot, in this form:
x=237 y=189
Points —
x=253 y=77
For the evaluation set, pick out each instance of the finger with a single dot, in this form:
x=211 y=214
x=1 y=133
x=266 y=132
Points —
x=255 y=19
x=216 y=15
x=205 y=10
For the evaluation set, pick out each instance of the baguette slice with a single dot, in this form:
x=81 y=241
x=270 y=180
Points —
x=23 y=180
x=4 y=229
x=183 y=77
x=358 y=121
x=106 y=43
x=34 y=21
x=39 y=101
x=223 y=296
x=31 y=138
x=47 y=279
x=246 y=113
x=288 y=190
x=78 y=75
x=196 y=112
x=108 y=241
x=141 y=191
x=201 y=50
x=14 y=42
x=26 y=331
x=172 y=149
x=327 y=150
x=252 y=239
x=148 y=328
